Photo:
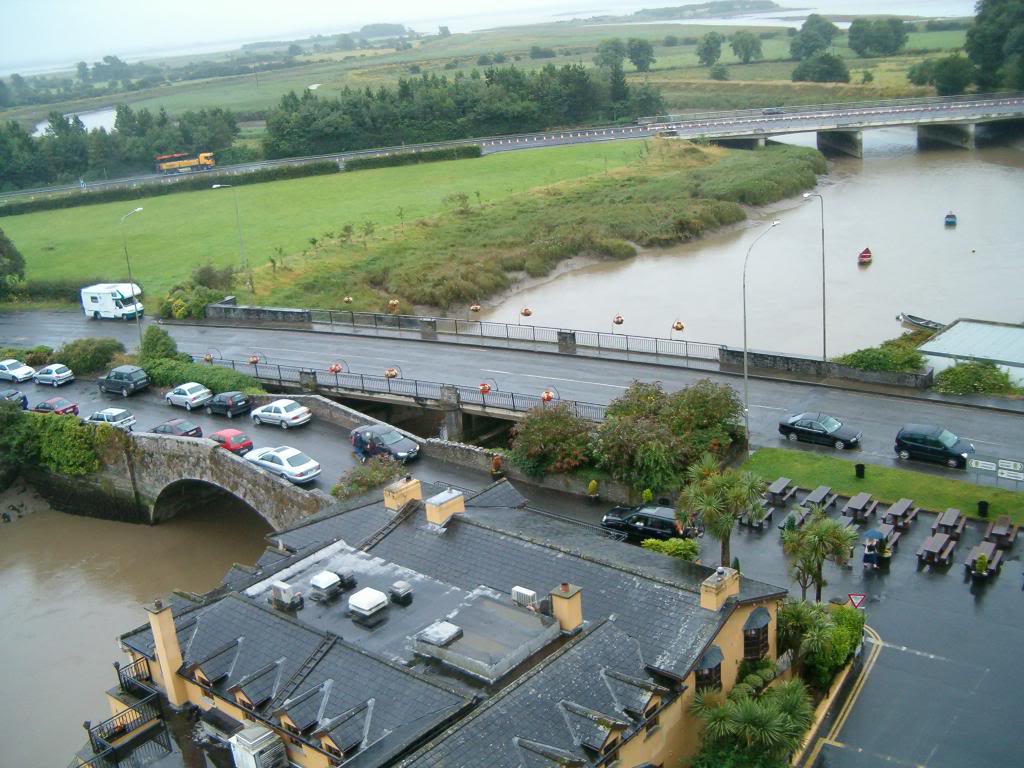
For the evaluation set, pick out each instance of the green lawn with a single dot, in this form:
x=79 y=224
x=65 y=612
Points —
x=177 y=232
x=810 y=470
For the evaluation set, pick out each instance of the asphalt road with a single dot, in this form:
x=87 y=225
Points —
x=584 y=379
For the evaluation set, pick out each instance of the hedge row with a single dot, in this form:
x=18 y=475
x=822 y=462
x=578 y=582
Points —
x=81 y=356
x=412 y=158
x=191 y=183
x=172 y=372
x=64 y=289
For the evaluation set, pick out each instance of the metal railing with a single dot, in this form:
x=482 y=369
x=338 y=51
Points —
x=370 y=384
x=133 y=677
x=146 y=710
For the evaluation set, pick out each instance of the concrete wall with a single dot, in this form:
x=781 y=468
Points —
x=732 y=359
x=229 y=310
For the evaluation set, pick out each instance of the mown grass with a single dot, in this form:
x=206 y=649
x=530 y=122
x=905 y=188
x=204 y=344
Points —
x=810 y=470
x=677 y=191
x=176 y=233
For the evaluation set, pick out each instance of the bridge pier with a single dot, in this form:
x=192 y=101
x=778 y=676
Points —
x=847 y=142
x=954 y=134
x=451 y=409
x=741 y=143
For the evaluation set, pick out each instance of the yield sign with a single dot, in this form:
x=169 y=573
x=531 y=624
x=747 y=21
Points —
x=856 y=599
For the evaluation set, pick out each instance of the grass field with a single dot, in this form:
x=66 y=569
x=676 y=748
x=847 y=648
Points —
x=810 y=470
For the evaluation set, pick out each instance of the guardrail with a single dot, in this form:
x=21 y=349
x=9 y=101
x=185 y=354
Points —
x=369 y=384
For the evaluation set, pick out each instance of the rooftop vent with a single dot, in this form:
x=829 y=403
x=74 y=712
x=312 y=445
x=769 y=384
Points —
x=401 y=592
x=440 y=634
x=527 y=598
x=326 y=586
x=368 y=606
x=284 y=597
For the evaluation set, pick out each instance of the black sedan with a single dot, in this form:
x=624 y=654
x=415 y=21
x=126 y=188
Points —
x=231 y=404
x=382 y=440
x=819 y=428
x=179 y=427
x=15 y=396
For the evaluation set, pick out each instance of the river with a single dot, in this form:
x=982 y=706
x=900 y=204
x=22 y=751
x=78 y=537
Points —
x=71 y=585
x=892 y=201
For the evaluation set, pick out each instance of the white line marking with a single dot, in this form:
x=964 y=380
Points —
x=554 y=378
x=767 y=407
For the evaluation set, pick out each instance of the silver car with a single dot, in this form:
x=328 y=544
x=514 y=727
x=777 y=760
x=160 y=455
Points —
x=285 y=413
x=189 y=396
x=290 y=463
x=119 y=418
x=15 y=370
x=54 y=375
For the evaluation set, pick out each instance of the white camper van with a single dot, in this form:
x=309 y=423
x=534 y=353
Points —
x=117 y=300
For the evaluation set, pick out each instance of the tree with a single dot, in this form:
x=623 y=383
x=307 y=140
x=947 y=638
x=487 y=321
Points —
x=995 y=43
x=444 y=32
x=822 y=68
x=5 y=95
x=83 y=71
x=859 y=36
x=294 y=49
x=641 y=54
x=345 y=42
x=618 y=91
x=610 y=53
x=709 y=49
x=820 y=540
x=746 y=45
x=12 y=263
x=882 y=37
x=815 y=35
x=951 y=75
x=670 y=41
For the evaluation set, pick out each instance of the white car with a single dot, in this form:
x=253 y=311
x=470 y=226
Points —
x=290 y=463
x=119 y=418
x=284 y=413
x=189 y=396
x=54 y=374
x=15 y=370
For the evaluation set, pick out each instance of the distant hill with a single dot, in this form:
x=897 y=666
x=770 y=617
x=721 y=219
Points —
x=710 y=10
x=370 y=31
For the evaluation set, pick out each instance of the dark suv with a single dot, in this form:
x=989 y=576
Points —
x=931 y=443
x=125 y=379
x=229 y=403
x=639 y=523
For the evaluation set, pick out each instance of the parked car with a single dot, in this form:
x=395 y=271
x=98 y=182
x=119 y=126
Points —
x=58 y=405
x=932 y=443
x=230 y=404
x=819 y=428
x=15 y=370
x=290 y=463
x=178 y=427
x=15 y=396
x=233 y=440
x=115 y=417
x=380 y=439
x=189 y=396
x=54 y=374
x=646 y=522
x=772 y=111
x=125 y=379
x=284 y=413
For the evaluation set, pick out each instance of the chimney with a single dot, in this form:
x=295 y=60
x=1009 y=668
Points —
x=441 y=507
x=402 y=491
x=567 y=607
x=719 y=587
x=168 y=652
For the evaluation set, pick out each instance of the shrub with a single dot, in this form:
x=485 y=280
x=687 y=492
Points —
x=60 y=289
x=412 y=158
x=157 y=344
x=34 y=356
x=896 y=355
x=971 y=378
x=213 y=277
x=377 y=471
x=172 y=372
x=592 y=488
x=719 y=72
x=536 y=52
x=683 y=549
x=62 y=444
x=550 y=439
x=89 y=355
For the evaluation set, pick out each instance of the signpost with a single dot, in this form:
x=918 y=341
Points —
x=1004 y=469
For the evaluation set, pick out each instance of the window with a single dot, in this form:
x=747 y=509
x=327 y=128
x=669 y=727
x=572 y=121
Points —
x=94 y=299
x=755 y=643
x=710 y=677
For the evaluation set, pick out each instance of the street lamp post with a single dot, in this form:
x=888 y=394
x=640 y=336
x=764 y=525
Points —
x=821 y=200
x=746 y=391
x=238 y=227
x=131 y=280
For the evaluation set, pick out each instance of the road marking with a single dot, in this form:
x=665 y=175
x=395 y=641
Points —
x=905 y=649
x=554 y=378
x=767 y=407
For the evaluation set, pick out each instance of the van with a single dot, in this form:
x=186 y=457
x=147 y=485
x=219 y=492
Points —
x=112 y=301
x=932 y=443
x=125 y=379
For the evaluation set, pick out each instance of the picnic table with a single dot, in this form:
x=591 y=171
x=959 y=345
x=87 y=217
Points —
x=821 y=496
x=901 y=514
x=1001 y=532
x=799 y=516
x=937 y=548
x=780 y=491
x=880 y=543
x=992 y=555
x=860 y=507
x=951 y=522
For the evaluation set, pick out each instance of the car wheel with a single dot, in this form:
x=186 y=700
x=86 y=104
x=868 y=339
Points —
x=188 y=407
x=230 y=414
x=952 y=463
x=792 y=437
x=124 y=391
x=904 y=454
x=840 y=445
x=125 y=318
x=256 y=420
x=209 y=411
x=283 y=423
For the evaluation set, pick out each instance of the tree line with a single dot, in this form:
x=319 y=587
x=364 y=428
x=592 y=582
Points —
x=435 y=108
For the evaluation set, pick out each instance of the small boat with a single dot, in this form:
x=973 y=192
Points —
x=919 y=323
x=864 y=257
x=950 y=219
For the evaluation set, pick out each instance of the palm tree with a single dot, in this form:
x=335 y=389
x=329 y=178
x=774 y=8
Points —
x=820 y=540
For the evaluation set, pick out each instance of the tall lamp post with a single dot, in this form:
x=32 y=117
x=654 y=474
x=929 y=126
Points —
x=238 y=227
x=821 y=200
x=124 y=242
x=746 y=391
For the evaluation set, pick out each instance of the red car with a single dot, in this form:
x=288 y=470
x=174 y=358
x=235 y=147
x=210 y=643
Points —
x=233 y=440
x=58 y=405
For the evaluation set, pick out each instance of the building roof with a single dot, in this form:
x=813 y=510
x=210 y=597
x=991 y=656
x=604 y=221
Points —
x=968 y=339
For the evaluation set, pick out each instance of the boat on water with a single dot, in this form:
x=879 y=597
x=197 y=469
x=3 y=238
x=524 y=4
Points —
x=950 y=219
x=864 y=257
x=919 y=323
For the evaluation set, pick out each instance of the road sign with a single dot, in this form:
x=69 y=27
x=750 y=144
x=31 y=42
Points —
x=1014 y=466
x=988 y=466
x=1009 y=474
x=857 y=599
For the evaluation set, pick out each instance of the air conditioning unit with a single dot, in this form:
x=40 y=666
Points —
x=284 y=597
x=527 y=598
x=258 y=747
x=368 y=606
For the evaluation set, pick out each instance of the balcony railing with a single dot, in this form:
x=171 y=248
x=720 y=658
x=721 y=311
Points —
x=123 y=723
x=133 y=677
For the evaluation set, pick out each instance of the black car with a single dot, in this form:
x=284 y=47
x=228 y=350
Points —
x=931 y=443
x=125 y=380
x=819 y=428
x=15 y=396
x=380 y=439
x=178 y=427
x=639 y=523
x=229 y=403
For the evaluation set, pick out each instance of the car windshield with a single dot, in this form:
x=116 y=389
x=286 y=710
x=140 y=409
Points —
x=947 y=438
x=13 y=364
x=127 y=300
x=298 y=459
x=830 y=424
x=291 y=407
x=390 y=438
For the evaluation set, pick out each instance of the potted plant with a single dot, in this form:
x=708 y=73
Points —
x=647 y=496
x=496 y=471
x=981 y=566
x=592 y=492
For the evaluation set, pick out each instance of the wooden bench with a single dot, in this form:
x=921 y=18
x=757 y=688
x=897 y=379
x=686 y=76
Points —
x=872 y=508
x=894 y=540
x=946 y=555
x=769 y=512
